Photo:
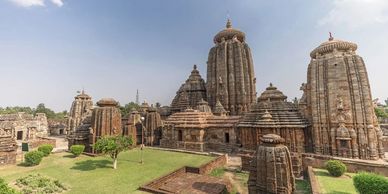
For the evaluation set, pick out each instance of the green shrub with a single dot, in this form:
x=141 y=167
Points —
x=36 y=183
x=370 y=183
x=77 y=149
x=33 y=158
x=5 y=189
x=46 y=149
x=335 y=168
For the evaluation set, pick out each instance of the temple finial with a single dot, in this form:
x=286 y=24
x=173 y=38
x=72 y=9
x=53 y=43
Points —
x=195 y=67
x=330 y=36
x=229 y=23
x=270 y=84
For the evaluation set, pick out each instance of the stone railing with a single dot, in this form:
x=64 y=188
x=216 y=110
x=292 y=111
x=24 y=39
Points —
x=315 y=189
x=353 y=165
x=154 y=185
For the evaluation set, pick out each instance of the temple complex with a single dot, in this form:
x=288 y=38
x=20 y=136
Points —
x=190 y=93
x=23 y=126
x=8 y=147
x=230 y=72
x=271 y=171
x=80 y=108
x=337 y=102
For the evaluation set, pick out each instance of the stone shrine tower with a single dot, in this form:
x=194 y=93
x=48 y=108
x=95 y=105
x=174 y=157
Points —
x=271 y=168
x=230 y=72
x=80 y=107
x=338 y=103
x=190 y=93
x=106 y=120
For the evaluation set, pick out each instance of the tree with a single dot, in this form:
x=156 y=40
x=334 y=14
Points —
x=41 y=108
x=113 y=145
x=386 y=102
x=126 y=109
x=380 y=113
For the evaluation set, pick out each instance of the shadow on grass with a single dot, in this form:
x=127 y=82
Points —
x=23 y=164
x=88 y=165
x=69 y=156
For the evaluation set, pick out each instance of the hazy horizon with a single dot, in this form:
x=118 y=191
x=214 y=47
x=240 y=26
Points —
x=49 y=49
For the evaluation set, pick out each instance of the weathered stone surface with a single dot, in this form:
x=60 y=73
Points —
x=273 y=114
x=80 y=109
x=25 y=126
x=200 y=131
x=271 y=168
x=190 y=93
x=337 y=101
x=106 y=120
x=8 y=147
x=230 y=72
x=153 y=127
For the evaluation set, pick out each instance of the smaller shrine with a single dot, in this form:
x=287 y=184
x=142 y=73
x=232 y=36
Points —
x=8 y=147
x=271 y=168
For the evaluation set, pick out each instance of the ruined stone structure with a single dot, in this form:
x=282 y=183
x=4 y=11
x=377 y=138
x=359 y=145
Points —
x=80 y=109
x=106 y=120
x=190 y=93
x=152 y=127
x=337 y=101
x=57 y=127
x=25 y=126
x=200 y=131
x=271 y=171
x=230 y=72
x=8 y=147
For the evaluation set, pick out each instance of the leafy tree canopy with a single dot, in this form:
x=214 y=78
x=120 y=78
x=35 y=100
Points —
x=113 y=145
x=41 y=108
x=127 y=108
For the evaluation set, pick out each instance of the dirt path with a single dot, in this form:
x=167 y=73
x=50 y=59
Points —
x=233 y=166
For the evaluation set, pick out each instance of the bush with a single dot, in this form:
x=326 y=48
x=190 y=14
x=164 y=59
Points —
x=46 y=149
x=77 y=149
x=336 y=168
x=36 y=183
x=369 y=183
x=5 y=189
x=33 y=158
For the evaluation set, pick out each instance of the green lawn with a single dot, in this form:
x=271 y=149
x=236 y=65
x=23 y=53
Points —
x=303 y=186
x=335 y=185
x=95 y=174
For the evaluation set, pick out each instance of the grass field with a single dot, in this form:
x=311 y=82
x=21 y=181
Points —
x=335 y=185
x=95 y=174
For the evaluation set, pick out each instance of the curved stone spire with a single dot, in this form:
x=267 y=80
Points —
x=190 y=93
x=219 y=109
x=230 y=72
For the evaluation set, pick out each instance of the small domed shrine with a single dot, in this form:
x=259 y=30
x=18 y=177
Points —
x=271 y=168
x=190 y=93
x=80 y=108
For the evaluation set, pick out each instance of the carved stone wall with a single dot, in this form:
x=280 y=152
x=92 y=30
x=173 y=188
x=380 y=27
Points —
x=8 y=147
x=190 y=93
x=80 y=108
x=153 y=127
x=106 y=120
x=271 y=169
x=230 y=72
x=338 y=103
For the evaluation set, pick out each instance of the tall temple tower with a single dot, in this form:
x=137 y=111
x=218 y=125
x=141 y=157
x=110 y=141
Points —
x=81 y=106
x=337 y=101
x=230 y=73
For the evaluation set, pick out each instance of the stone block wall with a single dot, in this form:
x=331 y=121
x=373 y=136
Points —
x=7 y=158
x=40 y=141
x=215 y=163
x=319 y=161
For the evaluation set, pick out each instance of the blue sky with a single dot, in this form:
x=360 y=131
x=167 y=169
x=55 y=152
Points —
x=49 y=49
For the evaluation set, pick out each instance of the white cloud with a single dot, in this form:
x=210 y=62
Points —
x=31 y=3
x=28 y=3
x=356 y=13
x=58 y=3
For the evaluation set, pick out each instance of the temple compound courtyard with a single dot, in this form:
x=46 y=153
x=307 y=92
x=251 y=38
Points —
x=218 y=135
